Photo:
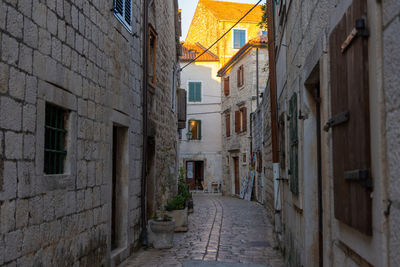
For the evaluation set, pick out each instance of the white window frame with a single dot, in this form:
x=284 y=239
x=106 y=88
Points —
x=202 y=92
x=233 y=38
x=121 y=17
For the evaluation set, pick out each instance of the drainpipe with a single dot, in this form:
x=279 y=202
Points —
x=257 y=76
x=144 y=106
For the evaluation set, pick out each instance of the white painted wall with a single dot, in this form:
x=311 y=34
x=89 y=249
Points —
x=208 y=111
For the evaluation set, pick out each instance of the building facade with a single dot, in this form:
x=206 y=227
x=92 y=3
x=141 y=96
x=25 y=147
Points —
x=200 y=151
x=241 y=79
x=71 y=126
x=201 y=155
x=332 y=131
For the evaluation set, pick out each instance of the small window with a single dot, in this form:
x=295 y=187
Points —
x=240 y=77
x=244 y=158
x=152 y=56
x=123 y=11
x=226 y=86
x=54 y=144
x=194 y=91
x=195 y=129
x=239 y=38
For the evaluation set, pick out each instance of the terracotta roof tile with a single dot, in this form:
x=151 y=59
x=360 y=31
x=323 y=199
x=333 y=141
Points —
x=191 y=51
x=233 y=11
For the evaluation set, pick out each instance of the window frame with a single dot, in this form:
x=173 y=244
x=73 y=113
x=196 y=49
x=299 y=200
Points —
x=199 y=129
x=121 y=17
x=201 y=92
x=50 y=182
x=152 y=33
x=233 y=38
x=56 y=151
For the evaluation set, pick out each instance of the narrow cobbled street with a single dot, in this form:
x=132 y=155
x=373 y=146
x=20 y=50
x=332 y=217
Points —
x=221 y=229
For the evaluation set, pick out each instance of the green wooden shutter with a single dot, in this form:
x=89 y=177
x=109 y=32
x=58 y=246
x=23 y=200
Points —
x=293 y=146
x=198 y=92
x=191 y=92
x=199 y=128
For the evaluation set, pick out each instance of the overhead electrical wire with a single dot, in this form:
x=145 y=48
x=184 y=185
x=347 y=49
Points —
x=193 y=60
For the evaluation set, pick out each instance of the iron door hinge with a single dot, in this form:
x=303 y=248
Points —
x=337 y=119
x=360 y=29
x=361 y=176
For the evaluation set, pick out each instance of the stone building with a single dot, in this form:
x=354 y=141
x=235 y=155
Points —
x=71 y=126
x=242 y=77
x=334 y=69
x=213 y=18
x=201 y=155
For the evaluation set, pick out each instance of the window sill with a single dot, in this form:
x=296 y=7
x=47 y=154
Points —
x=123 y=22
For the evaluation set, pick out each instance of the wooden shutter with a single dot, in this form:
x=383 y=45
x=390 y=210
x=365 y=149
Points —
x=238 y=77
x=128 y=11
x=349 y=123
x=181 y=108
x=226 y=86
x=293 y=146
x=244 y=119
x=228 y=125
x=198 y=92
x=241 y=75
x=237 y=121
x=199 y=129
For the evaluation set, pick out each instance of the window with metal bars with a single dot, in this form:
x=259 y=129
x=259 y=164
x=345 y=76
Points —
x=123 y=11
x=54 y=144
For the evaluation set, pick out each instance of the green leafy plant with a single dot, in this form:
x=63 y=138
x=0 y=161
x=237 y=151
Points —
x=176 y=203
x=183 y=187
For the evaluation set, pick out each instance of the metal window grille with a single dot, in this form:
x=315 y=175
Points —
x=54 y=144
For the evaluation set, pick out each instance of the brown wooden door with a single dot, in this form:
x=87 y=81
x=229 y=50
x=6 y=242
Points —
x=236 y=173
x=190 y=174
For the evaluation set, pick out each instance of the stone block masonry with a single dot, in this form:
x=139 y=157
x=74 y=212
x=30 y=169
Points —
x=78 y=56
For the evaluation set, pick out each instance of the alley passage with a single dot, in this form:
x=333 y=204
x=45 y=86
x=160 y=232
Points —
x=221 y=229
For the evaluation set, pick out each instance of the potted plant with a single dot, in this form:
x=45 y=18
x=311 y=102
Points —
x=177 y=207
x=161 y=231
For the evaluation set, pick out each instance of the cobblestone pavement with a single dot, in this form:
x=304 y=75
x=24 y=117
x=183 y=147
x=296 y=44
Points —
x=222 y=229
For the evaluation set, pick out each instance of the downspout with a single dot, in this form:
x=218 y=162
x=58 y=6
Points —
x=145 y=115
x=257 y=76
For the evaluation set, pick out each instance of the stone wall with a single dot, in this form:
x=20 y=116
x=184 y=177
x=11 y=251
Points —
x=391 y=81
x=162 y=117
x=302 y=41
x=77 y=55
